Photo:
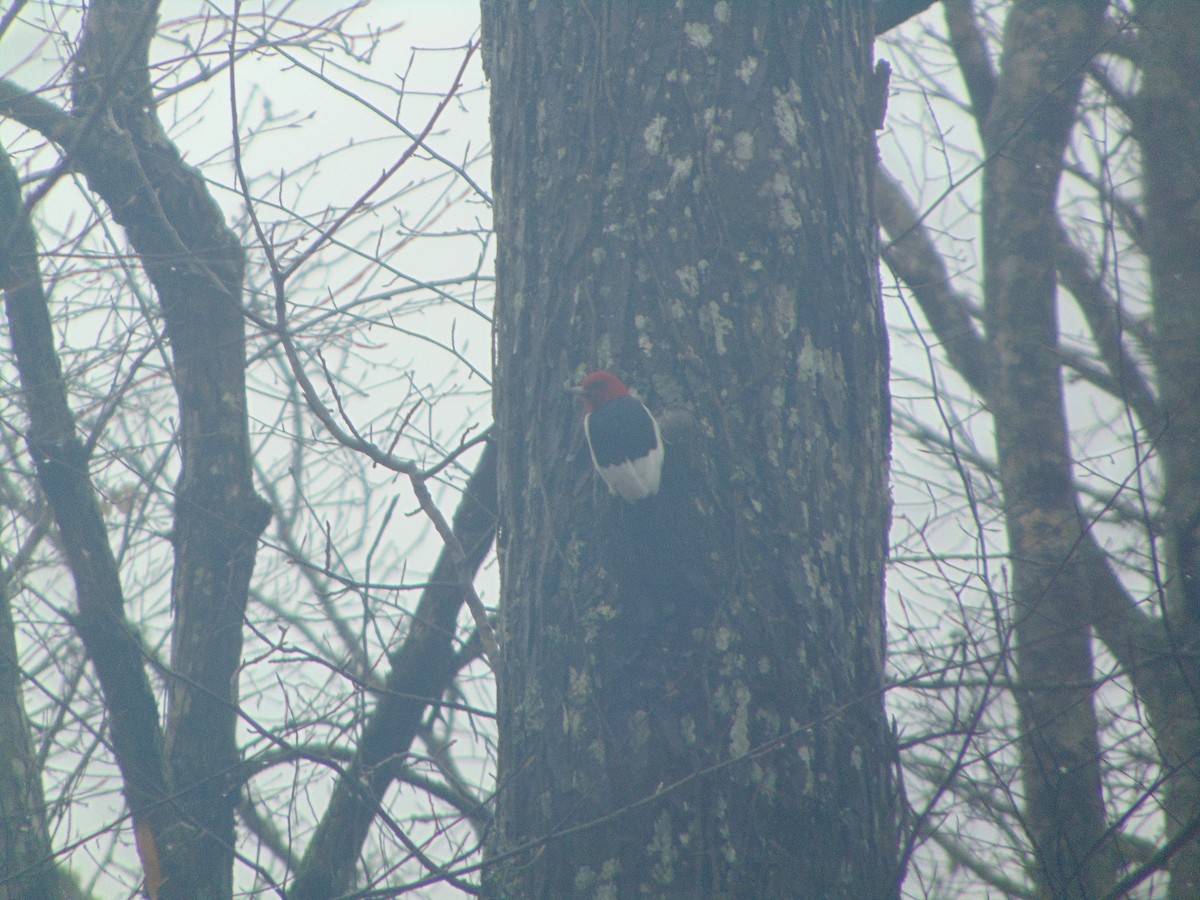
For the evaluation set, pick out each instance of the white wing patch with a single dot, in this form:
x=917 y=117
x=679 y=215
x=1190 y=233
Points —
x=635 y=479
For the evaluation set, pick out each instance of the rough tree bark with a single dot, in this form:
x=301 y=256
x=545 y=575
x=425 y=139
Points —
x=690 y=698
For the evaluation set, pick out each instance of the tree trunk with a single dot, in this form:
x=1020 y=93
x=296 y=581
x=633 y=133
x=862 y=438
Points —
x=691 y=689
x=1167 y=125
x=1025 y=136
x=26 y=857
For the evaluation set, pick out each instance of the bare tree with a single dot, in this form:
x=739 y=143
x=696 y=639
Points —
x=1087 y=371
x=173 y=425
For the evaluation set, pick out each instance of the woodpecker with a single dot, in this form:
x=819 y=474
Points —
x=623 y=437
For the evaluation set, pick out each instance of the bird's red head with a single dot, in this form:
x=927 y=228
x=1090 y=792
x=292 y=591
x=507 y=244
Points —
x=600 y=388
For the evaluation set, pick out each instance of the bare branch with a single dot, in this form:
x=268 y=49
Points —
x=971 y=51
x=890 y=14
x=916 y=261
x=421 y=668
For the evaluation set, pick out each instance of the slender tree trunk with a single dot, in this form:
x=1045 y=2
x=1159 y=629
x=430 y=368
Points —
x=691 y=689
x=26 y=858
x=196 y=264
x=1046 y=48
x=1167 y=125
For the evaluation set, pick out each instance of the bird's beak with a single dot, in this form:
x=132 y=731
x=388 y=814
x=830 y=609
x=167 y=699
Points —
x=575 y=389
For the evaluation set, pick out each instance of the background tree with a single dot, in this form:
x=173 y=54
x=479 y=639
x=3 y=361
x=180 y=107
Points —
x=1088 y=371
x=690 y=698
x=166 y=413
